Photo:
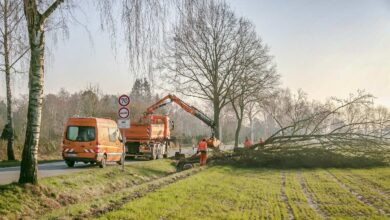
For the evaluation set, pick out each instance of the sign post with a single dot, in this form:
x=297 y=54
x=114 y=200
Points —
x=123 y=122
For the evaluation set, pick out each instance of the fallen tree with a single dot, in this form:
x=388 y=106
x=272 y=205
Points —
x=349 y=132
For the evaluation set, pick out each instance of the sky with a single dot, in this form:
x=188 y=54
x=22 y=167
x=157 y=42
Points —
x=326 y=48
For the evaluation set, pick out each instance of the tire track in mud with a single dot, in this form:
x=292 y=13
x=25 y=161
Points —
x=309 y=197
x=358 y=196
x=284 y=197
x=137 y=192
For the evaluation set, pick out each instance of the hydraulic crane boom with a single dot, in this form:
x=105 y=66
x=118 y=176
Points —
x=188 y=108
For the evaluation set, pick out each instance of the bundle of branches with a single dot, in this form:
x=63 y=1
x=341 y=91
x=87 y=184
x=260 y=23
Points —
x=351 y=127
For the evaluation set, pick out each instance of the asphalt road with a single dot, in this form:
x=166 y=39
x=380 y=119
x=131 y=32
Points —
x=11 y=174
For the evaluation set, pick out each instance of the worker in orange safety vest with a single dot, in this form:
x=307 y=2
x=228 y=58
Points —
x=202 y=148
x=247 y=142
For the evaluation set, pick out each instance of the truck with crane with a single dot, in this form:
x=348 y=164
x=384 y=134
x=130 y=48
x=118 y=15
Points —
x=150 y=136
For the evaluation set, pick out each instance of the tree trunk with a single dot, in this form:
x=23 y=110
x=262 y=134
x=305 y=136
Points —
x=251 y=127
x=217 y=111
x=10 y=127
x=239 y=111
x=29 y=168
x=237 y=134
x=7 y=68
x=220 y=131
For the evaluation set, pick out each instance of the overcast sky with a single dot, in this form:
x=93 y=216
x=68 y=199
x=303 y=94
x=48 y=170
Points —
x=327 y=48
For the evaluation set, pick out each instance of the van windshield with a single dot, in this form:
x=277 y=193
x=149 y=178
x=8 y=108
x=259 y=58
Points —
x=80 y=133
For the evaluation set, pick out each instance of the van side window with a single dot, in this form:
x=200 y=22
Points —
x=112 y=134
x=80 y=133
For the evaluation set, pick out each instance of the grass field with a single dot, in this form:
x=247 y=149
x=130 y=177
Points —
x=154 y=190
x=239 y=193
x=69 y=194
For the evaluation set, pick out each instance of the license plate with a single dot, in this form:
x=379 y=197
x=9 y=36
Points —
x=144 y=149
x=71 y=155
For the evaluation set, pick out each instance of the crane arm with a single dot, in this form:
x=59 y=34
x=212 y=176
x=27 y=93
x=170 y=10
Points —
x=188 y=108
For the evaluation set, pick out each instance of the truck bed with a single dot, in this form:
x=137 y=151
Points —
x=143 y=132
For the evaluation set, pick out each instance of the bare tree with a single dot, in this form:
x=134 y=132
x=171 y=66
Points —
x=255 y=70
x=89 y=101
x=13 y=49
x=252 y=110
x=203 y=54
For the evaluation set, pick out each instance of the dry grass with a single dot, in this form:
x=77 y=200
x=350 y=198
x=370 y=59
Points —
x=46 y=150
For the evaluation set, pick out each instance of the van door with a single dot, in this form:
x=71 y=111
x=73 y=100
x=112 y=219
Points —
x=81 y=141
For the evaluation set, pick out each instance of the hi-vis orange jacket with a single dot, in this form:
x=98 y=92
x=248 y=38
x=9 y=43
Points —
x=202 y=146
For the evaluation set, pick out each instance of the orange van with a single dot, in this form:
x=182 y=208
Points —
x=93 y=140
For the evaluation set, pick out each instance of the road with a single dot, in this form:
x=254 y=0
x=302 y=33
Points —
x=11 y=174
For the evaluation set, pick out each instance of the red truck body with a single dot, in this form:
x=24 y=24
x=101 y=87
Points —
x=148 y=138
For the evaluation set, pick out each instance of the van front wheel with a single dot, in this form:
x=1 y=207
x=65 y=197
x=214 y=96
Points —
x=103 y=162
x=69 y=163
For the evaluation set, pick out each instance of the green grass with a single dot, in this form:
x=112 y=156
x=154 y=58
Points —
x=76 y=188
x=377 y=178
x=111 y=201
x=297 y=198
x=217 y=193
x=335 y=201
x=146 y=191
x=239 y=193
x=369 y=189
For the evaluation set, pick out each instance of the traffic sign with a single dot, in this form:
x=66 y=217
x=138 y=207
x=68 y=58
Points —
x=123 y=112
x=124 y=123
x=124 y=100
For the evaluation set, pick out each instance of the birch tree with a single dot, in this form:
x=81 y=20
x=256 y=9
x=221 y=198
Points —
x=36 y=21
x=40 y=16
x=13 y=48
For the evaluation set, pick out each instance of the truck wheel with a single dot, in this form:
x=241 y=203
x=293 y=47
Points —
x=103 y=162
x=154 y=156
x=120 y=162
x=159 y=152
x=165 y=155
x=69 y=163
x=154 y=152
